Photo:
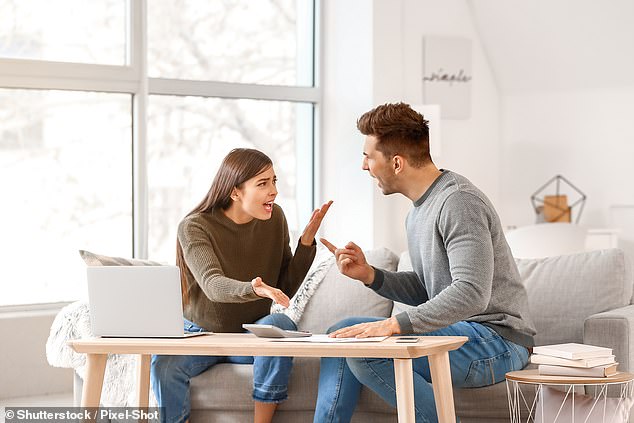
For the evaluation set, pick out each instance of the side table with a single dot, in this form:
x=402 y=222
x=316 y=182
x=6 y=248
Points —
x=556 y=399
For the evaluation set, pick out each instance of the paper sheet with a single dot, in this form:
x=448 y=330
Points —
x=326 y=339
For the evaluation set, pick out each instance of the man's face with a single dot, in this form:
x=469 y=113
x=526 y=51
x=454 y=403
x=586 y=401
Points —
x=378 y=166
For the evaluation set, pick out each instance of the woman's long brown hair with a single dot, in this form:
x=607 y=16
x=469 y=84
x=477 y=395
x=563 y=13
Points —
x=240 y=165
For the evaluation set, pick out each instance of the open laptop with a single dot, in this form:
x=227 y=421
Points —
x=136 y=301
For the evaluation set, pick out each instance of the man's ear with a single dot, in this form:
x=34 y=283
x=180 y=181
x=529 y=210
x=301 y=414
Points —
x=398 y=164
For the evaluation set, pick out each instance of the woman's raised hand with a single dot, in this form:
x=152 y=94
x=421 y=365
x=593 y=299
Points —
x=263 y=290
x=308 y=236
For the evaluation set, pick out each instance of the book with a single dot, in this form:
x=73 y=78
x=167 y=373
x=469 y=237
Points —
x=583 y=362
x=573 y=351
x=598 y=371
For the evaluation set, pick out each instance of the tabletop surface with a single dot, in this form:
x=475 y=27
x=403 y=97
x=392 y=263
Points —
x=533 y=376
x=249 y=344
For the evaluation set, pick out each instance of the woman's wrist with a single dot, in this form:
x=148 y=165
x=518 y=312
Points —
x=307 y=243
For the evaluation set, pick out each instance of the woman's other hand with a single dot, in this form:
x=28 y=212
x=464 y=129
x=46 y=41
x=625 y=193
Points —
x=308 y=236
x=263 y=290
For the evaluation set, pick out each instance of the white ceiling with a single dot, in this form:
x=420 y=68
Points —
x=535 y=45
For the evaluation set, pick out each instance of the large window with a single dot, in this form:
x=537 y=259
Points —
x=189 y=136
x=106 y=144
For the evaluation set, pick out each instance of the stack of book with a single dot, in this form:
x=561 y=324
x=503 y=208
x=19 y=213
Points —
x=574 y=360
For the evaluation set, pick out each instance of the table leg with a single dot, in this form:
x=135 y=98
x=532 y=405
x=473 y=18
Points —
x=143 y=373
x=404 y=378
x=143 y=378
x=441 y=383
x=95 y=368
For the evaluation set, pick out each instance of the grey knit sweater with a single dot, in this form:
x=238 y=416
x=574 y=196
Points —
x=463 y=267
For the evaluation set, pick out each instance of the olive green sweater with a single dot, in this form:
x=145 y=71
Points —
x=223 y=257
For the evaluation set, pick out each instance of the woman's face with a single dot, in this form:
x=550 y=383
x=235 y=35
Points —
x=254 y=200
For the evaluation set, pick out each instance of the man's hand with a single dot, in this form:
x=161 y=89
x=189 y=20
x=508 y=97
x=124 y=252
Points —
x=385 y=327
x=351 y=262
x=263 y=290
x=308 y=236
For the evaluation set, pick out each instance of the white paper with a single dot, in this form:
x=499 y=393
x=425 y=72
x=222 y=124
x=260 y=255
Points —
x=327 y=339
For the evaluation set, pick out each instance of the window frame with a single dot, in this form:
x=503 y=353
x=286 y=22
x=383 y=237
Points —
x=133 y=79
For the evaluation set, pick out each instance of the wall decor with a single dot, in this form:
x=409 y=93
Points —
x=447 y=75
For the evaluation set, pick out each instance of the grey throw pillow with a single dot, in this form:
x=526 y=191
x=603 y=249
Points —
x=92 y=259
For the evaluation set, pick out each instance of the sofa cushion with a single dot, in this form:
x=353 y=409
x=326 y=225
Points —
x=564 y=290
x=404 y=265
x=229 y=387
x=469 y=402
x=338 y=296
x=93 y=259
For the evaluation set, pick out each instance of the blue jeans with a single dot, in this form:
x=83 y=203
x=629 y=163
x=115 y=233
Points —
x=483 y=360
x=170 y=374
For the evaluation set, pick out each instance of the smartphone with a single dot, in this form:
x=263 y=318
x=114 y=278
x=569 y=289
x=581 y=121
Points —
x=407 y=339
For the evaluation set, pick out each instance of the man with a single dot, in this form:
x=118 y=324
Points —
x=464 y=280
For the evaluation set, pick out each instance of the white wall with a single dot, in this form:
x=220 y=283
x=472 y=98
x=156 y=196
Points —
x=566 y=83
x=373 y=54
x=585 y=135
x=24 y=370
x=347 y=93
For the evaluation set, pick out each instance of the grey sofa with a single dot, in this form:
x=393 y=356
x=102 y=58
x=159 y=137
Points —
x=584 y=297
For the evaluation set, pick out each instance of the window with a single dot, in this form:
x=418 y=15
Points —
x=101 y=149
x=64 y=31
x=189 y=136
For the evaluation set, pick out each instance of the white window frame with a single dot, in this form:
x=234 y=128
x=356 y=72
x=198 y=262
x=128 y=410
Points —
x=133 y=79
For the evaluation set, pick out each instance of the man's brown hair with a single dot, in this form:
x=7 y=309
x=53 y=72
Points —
x=399 y=129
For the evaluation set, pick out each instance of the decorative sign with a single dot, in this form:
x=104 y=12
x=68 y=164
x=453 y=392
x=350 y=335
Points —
x=447 y=75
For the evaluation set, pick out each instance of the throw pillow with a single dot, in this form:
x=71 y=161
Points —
x=556 y=403
x=322 y=263
x=93 y=259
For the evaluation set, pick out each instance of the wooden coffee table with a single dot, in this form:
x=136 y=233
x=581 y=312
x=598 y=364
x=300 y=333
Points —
x=436 y=348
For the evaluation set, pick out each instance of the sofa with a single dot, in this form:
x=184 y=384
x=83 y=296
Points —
x=584 y=298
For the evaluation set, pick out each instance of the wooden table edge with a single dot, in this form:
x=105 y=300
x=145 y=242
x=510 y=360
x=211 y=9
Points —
x=264 y=347
x=533 y=377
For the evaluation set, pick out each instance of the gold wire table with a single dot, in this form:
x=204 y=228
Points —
x=589 y=407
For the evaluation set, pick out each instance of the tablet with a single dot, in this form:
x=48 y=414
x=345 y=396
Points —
x=270 y=331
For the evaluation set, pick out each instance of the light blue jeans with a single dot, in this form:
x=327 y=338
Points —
x=483 y=360
x=170 y=374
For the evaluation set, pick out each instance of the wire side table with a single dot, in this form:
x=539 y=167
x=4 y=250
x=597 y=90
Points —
x=523 y=408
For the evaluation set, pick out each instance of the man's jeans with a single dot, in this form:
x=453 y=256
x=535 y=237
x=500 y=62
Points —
x=170 y=374
x=483 y=360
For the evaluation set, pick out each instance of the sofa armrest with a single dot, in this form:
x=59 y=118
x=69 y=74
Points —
x=613 y=329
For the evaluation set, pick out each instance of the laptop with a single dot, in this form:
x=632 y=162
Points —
x=136 y=301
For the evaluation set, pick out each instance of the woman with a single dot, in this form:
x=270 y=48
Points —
x=234 y=254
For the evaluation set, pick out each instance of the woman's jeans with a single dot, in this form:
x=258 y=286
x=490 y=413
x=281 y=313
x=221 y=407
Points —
x=170 y=374
x=483 y=360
